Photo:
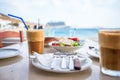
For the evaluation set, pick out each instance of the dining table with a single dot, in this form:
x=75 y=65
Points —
x=21 y=68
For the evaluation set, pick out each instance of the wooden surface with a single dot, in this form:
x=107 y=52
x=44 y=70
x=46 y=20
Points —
x=20 y=68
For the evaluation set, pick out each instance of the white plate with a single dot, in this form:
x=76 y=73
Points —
x=85 y=64
x=7 y=53
x=93 y=53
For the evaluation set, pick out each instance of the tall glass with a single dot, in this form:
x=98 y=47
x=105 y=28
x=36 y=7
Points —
x=35 y=40
x=72 y=32
x=109 y=41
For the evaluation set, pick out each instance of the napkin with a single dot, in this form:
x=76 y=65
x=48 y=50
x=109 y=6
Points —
x=44 y=59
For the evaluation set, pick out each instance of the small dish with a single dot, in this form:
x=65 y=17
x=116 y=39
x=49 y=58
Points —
x=7 y=53
x=45 y=65
x=94 y=53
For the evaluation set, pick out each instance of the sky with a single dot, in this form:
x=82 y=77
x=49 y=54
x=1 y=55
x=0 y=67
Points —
x=82 y=13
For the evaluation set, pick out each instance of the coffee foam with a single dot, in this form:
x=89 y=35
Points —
x=109 y=39
x=35 y=35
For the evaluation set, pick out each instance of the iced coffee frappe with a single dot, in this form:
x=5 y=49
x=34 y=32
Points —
x=110 y=49
x=35 y=41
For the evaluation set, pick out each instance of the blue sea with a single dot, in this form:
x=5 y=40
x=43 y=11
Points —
x=72 y=32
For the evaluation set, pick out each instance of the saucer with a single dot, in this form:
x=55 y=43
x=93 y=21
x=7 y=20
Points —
x=7 y=53
x=45 y=64
x=94 y=53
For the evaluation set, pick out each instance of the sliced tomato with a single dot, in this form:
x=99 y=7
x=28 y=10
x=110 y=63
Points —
x=74 y=39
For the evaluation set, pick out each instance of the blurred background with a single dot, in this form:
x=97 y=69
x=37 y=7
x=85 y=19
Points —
x=58 y=15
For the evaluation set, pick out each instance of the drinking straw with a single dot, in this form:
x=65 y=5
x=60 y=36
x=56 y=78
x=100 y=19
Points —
x=20 y=19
